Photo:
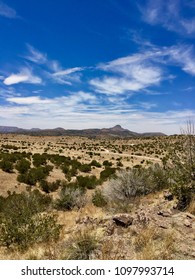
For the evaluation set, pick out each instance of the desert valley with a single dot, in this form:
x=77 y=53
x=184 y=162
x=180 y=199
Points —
x=110 y=194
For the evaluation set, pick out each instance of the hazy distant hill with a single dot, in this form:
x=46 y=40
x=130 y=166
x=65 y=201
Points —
x=116 y=131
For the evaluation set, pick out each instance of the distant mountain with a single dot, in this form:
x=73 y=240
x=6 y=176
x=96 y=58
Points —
x=8 y=129
x=116 y=131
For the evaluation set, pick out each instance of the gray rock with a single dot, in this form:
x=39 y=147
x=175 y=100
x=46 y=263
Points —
x=123 y=220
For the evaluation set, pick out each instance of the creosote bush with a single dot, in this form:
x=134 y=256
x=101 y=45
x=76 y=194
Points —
x=88 y=182
x=107 y=173
x=35 y=175
x=23 y=220
x=99 y=199
x=48 y=187
x=6 y=166
x=22 y=166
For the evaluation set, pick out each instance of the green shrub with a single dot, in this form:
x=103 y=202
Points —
x=85 y=168
x=95 y=163
x=159 y=177
x=107 y=163
x=22 y=166
x=98 y=199
x=107 y=173
x=22 y=222
x=35 y=175
x=48 y=187
x=39 y=160
x=88 y=182
x=6 y=166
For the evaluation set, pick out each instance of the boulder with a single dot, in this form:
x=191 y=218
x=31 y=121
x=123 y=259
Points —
x=123 y=220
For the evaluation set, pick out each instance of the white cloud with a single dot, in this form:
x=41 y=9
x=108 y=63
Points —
x=67 y=71
x=35 y=55
x=24 y=76
x=52 y=68
x=184 y=56
x=131 y=73
x=169 y=15
x=147 y=105
x=140 y=71
x=115 y=85
x=70 y=112
x=66 y=76
x=7 y=11
x=28 y=100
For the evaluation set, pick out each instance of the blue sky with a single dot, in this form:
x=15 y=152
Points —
x=97 y=63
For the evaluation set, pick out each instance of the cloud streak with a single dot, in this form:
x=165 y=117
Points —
x=169 y=15
x=143 y=70
x=6 y=11
x=35 y=56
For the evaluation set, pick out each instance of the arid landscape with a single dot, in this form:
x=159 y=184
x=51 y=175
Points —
x=73 y=197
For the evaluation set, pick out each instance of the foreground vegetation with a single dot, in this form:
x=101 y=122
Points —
x=38 y=217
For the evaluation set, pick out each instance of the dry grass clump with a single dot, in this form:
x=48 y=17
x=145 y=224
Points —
x=153 y=244
x=191 y=207
x=113 y=249
x=80 y=246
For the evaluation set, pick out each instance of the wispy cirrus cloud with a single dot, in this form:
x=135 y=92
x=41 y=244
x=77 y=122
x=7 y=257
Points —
x=53 y=69
x=183 y=56
x=143 y=70
x=6 y=11
x=25 y=75
x=169 y=15
x=67 y=76
x=35 y=55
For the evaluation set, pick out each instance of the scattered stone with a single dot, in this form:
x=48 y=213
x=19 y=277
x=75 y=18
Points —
x=168 y=195
x=142 y=218
x=187 y=223
x=123 y=220
x=164 y=213
x=190 y=216
x=110 y=228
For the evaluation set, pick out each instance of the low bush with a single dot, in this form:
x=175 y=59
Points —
x=23 y=223
x=107 y=173
x=80 y=246
x=6 y=166
x=85 y=168
x=48 y=187
x=22 y=166
x=35 y=175
x=95 y=163
x=88 y=182
x=99 y=199
x=128 y=185
x=107 y=163
x=70 y=197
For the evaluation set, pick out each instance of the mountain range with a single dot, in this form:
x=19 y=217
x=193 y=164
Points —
x=116 y=131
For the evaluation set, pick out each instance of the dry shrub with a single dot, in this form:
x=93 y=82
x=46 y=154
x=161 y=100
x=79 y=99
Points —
x=151 y=244
x=127 y=185
x=80 y=246
x=112 y=249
